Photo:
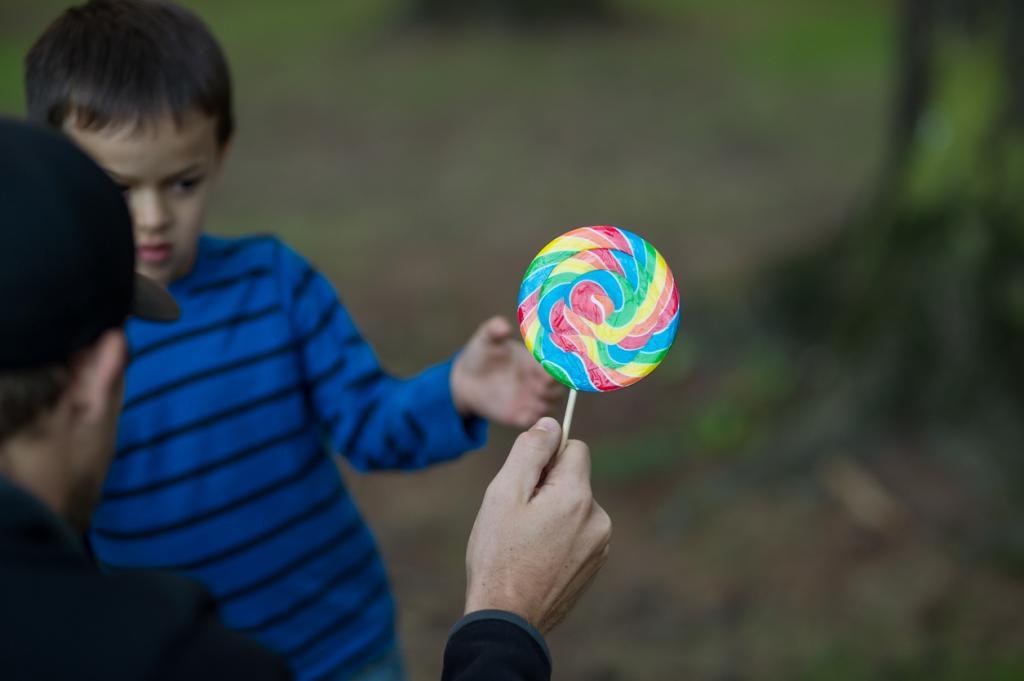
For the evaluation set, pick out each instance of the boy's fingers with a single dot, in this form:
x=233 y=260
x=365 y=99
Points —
x=530 y=455
x=542 y=407
x=537 y=372
x=547 y=386
x=528 y=416
x=552 y=392
x=497 y=329
x=532 y=409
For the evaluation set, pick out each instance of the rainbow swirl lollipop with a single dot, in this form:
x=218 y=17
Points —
x=598 y=308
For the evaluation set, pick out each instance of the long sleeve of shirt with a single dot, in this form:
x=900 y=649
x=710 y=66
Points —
x=222 y=471
x=372 y=418
x=494 y=645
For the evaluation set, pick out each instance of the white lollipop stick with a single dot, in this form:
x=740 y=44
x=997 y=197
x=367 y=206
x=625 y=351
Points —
x=567 y=421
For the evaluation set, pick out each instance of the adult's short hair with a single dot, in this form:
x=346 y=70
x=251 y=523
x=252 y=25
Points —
x=116 y=62
x=27 y=394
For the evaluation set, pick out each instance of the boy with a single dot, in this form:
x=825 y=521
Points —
x=221 y=471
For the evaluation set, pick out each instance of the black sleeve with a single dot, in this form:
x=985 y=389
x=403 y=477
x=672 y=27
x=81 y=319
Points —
x=212 y=651
x=495 y=646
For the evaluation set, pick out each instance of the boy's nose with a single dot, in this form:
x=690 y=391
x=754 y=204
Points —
x=148 y=210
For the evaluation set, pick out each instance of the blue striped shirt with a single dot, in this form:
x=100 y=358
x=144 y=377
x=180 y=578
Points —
x=223 y=469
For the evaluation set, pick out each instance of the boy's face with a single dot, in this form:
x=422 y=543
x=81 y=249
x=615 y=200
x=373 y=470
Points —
x=166 y=171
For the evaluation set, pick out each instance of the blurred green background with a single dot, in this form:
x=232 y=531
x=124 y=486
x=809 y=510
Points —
x=778 y=514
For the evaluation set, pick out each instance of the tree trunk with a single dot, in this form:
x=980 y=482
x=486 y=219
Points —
x=925 y=290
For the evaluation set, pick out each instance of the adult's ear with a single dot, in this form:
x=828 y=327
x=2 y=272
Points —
x=97 y=376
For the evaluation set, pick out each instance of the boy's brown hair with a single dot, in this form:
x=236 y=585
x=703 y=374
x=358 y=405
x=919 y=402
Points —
x=116 y=62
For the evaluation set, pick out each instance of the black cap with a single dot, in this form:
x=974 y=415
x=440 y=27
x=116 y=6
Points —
x=67 y=255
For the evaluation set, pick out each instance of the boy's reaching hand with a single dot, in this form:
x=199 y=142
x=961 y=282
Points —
x=495 y=377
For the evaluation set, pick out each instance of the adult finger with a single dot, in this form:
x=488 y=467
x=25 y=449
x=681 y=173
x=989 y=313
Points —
x=530 y=455
x=601 y=525
x=572 y=466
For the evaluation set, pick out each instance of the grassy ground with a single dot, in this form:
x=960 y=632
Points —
x=422 y=171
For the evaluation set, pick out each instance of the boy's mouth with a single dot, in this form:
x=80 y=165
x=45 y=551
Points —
x=153 y=254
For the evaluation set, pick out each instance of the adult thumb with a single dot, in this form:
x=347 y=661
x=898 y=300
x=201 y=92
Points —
x=531 y=454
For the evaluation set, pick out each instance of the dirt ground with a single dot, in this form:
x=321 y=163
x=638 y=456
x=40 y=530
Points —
x=785 y=583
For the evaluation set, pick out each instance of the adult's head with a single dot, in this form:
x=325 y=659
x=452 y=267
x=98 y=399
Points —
x=67 y=284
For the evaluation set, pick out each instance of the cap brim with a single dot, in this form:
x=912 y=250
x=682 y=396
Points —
x=153 y=302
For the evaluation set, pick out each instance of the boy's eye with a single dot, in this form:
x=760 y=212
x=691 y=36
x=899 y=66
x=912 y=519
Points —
x=188 y=184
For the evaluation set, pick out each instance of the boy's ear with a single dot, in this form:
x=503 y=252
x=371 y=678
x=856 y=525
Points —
x=97 y=374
